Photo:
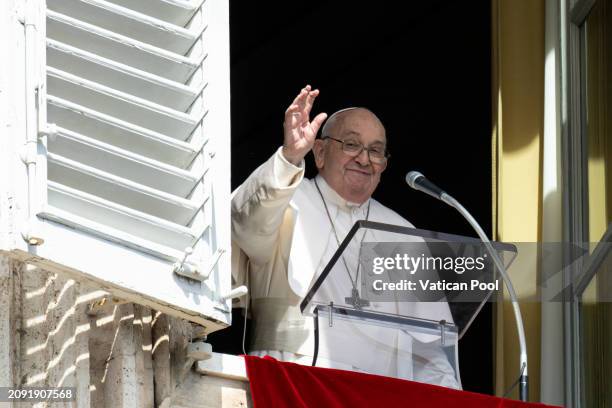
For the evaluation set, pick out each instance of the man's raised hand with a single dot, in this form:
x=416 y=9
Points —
x=299 y=131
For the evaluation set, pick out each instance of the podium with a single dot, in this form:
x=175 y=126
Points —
x=395 y=300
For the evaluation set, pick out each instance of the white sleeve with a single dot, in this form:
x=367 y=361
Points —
x=259 y=204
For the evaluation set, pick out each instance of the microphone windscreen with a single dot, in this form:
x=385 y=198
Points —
x=412 y=177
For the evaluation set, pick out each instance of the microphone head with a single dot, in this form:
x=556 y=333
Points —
x=412 y=177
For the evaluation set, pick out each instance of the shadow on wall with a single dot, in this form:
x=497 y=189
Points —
x=115 y=354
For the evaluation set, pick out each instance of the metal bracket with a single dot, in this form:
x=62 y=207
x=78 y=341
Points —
x=235 y=293
x=192 y=270
x=29 y=235
x=50 y=130
x=443 y=332
x=28 y=153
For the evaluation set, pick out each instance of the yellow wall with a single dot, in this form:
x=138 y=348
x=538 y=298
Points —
x=518 y=86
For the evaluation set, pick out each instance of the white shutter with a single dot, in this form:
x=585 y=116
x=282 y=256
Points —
x=136 y=169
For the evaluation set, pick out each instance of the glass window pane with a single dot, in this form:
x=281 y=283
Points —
x=596 y=338
x=595 y=306
x=597 y=66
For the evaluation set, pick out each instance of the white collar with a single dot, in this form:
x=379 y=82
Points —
x=335 y=201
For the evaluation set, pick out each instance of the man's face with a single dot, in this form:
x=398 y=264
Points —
x=354 y=178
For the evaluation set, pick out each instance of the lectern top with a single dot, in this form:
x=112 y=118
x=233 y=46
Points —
x=387 y=274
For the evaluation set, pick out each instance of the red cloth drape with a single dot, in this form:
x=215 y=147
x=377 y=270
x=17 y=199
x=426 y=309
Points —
x=280 y=384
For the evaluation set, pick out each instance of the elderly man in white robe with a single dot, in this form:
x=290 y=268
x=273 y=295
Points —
x=285 y=228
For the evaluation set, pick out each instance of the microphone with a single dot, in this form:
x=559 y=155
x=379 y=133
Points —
x=418 y=181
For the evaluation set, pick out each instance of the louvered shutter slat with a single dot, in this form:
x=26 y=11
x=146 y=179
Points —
x=118 y=153
x=123 y=191
x=120 y=104
x=120 y=133
x=128 y=22
x=121 y=48
x=97 y=209
x=73 y=203
x=125 y=164
x=178 y=12
x=120 y=76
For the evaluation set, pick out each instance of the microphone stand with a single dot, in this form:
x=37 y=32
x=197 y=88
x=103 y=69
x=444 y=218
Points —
x=523 y=380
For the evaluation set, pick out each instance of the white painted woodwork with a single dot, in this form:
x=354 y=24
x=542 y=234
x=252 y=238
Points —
x=131 y=166
x=115 y=75
x=131 y=23
x=121 y=48
x=125 y=164
x=65 y=202
x=178 y=12
x=164 y=148
x=121 y=105
x=113 y=188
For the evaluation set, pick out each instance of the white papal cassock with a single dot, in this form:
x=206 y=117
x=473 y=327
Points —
x=282 y=238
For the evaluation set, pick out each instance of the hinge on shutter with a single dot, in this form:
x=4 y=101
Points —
x=50 y=130
x=193 y=270
x=28 y=157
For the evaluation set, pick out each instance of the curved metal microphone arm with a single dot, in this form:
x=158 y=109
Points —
x=523 y=382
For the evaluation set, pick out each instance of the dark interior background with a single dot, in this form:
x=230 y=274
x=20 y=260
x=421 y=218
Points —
x=422 y=67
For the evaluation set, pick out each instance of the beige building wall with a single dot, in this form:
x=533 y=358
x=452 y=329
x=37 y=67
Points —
x=57 y=332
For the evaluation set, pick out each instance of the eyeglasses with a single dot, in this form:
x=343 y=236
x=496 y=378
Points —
x=377 y=154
